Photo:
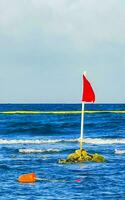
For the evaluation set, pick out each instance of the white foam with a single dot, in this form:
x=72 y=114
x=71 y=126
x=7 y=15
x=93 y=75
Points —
x=104 y=141
x=119 y=151
x=25 y=151
x=97 y=141
x=21 y=141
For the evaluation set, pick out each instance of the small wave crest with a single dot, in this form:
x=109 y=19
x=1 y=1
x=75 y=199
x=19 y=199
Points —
x=104 y=141
x=25 y=151
x=97 y=141
x=117 y=151
x=21 y=141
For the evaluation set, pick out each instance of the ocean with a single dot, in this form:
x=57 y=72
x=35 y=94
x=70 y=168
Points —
x=34 y=142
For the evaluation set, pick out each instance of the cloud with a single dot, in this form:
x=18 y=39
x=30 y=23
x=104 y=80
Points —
x=81 y=25
x=65 y=38
x=81 y=21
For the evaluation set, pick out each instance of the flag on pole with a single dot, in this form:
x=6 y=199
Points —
x=88 y=93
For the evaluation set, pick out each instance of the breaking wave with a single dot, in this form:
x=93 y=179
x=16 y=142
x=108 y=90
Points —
x=104 y=141
x=25 y=151
x=97 y=141
x=117 y=151
x=20 y=141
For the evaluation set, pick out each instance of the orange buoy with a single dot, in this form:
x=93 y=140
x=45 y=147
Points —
x=27 y=178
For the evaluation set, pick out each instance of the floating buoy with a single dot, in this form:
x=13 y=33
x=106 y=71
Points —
x=32 y=178
x=27 y=178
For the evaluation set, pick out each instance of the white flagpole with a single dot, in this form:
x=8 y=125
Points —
x=82 y=121
x=82 y=128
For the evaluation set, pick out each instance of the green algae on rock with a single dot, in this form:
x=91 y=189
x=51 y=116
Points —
x=80 y=156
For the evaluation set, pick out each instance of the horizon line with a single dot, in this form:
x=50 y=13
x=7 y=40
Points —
x=61 y=103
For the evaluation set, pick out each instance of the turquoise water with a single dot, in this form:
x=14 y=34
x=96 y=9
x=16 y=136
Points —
x=35 y=142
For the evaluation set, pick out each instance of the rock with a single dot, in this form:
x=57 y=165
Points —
x=73 y=156
x=98 y=158
x=81 y=156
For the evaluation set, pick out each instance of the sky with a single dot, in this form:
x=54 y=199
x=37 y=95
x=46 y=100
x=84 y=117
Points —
x=46 y=45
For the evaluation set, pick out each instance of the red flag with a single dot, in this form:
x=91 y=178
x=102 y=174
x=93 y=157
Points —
x=88 y=93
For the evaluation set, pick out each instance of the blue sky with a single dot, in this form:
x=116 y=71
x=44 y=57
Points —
x=46 y=45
